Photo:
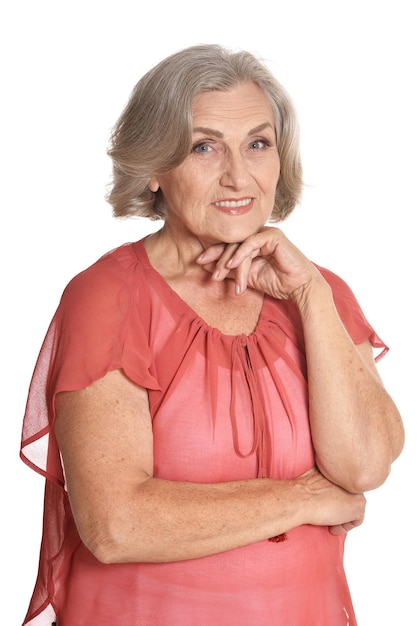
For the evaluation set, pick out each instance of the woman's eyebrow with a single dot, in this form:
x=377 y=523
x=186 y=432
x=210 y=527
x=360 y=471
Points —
x=208 y=131
x=211 y=131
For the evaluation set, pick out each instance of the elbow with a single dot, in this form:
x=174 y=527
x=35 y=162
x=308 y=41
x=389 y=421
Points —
x=105 y=550
x=368 y=479
x=374 y=472
x=358 y=478
x=107 y=543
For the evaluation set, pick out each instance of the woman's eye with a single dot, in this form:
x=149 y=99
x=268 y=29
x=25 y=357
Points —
x=259 y=143
x=201 y=148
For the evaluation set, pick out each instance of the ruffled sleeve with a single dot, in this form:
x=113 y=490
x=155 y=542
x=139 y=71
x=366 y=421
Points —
x=100 y=325
x=351 y=313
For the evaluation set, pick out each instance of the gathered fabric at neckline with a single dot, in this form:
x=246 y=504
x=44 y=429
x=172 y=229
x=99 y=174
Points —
x=177 y=300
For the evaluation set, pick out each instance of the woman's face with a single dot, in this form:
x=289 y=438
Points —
x=225 y=188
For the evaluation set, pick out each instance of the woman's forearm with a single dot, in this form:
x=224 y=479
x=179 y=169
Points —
x=164 y=521
x=356 y=428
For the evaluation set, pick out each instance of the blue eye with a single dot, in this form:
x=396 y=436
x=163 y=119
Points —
x=258 y=144
x=201 y=147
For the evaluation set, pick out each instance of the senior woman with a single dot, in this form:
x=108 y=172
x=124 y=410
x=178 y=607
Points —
x=205 y=408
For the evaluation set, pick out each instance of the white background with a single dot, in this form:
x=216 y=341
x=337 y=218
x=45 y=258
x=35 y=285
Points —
x=67 y=71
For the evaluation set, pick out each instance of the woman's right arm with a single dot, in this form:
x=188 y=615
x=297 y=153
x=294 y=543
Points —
x=124 y=514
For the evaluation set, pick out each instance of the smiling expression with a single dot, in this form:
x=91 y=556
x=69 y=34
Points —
x=224 y=190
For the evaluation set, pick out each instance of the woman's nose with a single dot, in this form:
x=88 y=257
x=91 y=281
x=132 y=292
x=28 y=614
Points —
x=235 y=171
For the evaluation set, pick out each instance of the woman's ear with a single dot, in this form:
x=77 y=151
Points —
x=153 y=185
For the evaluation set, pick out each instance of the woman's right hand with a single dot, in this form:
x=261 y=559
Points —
x=329 y=504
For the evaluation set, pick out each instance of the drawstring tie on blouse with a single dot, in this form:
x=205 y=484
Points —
x=246 y=368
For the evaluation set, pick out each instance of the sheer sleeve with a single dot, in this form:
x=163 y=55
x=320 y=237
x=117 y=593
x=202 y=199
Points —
x=98 y=327
x=351 y=313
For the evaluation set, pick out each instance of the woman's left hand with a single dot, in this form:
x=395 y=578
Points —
x=266 y=261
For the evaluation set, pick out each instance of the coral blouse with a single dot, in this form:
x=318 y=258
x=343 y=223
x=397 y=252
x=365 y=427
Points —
x=224 y=407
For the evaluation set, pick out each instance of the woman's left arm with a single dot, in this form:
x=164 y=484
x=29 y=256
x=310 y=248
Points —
x=356 y=428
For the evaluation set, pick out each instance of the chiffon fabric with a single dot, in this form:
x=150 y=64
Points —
x=223 y=407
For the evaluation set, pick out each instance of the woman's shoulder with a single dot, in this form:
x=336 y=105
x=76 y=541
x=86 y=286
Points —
x=118 y=264
x=110 y=277
x=343 y=294
x=350 y=311
x=334 y=280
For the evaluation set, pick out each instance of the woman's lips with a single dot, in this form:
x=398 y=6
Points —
x=234 y=207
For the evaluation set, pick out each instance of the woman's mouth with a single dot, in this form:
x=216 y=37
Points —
x=234 y=207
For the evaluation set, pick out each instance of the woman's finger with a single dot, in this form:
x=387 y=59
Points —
x=219 y=255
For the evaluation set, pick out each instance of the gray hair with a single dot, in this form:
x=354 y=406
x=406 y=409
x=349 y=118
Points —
x=153 y=134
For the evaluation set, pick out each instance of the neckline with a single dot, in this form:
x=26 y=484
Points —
x=175 y=298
